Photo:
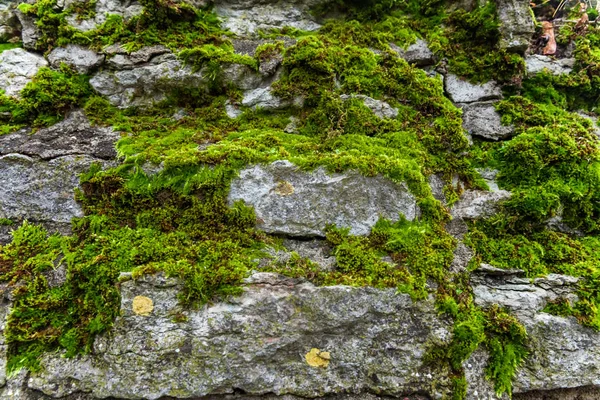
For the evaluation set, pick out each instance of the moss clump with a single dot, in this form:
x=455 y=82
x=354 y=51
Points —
x=45 y=100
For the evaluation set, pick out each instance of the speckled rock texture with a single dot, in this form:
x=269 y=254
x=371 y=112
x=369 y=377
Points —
x=375 y=343
x=41 y=171
x=17 y=68
x=256 y=344
x=292 y=202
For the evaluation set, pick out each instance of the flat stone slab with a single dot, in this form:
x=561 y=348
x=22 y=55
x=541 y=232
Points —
x=481 y=119
x=537 y=63
x=17 y=68
x=257 y=343
x=462 y=91
x=292 y=202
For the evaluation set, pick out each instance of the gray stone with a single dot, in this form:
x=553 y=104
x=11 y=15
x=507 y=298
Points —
x=417 y=53
x=247 y=17
x=537 y=63
x=516 y=25
x=145 y=54
x=73 y=136
x=256 y=344
x=520 y=295
x=41 y=191
x=481 y=119
x=462 y=91
x=489 y=176
x=82 y=59
x=124 y=8
x=17 y=68
x=9 y=22
x=563 y=353
x=264 y=99
x=380 y=108
x=30 y=33
x=475 y=204
x=147 y=84
x=120 y=62
x=462 y=257
x=292 y=202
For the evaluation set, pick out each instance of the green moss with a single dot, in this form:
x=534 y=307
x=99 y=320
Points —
x=45 y=100
x=8 y=46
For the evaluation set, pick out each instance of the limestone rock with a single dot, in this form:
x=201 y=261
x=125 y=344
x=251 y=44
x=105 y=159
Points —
x=482 y=119
x=41 y=191
x=124 y=8
x=537 y=63
x=17 y=68
x=417 y=53
x=380 y=108
x=478 y=204
x=516 y=24
x=462 y=91
x=563 y=353
x=147 y=84
x=30 y=33
x=9 y=22
x=256 y=343
x=247 y=17
x=263 y=98
x=82 y=59
x=489 y=175
x=520 y=295
x=297 y=203
x=73 y=136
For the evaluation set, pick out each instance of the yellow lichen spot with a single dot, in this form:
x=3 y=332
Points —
x=317 y=358
x=142 y=305
x=284 y=188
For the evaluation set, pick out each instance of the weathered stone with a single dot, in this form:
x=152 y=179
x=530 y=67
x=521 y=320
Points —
x=73 y=136
x=475 y=204
x=489 y=176
x=563 y=353
x=30 y=33
x=124 y=8
x=82 y=59
x=9 y=23
x=264 y=99
x=17 y=68
x=536 y=63
x=292 y=202
x=516 y=24
x=482 y=119
x=41 y=191
x=462 y=91
x=145 y=54
x=256 y=344
x=380 y=108
x=417 y=53
x=247 y=17
x=462 y=257
x=145 y=85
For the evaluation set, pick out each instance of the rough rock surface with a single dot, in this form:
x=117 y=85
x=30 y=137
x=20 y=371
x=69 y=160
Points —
x=380 y=108
x=72 y=136
x=475 y=204
x=82 y=59
x=29 y=30
x=462 y=91
x=17 y=67
x=123 y=8
x=564 y=354
x=9 y=23
x=257 y=343
x=417 y=53
x=482 y=119
x=296 y=203
x=537 y=63
x=41 y=191
x=144 y=85
x=247 y=17
x=517 y=26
